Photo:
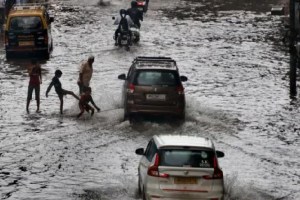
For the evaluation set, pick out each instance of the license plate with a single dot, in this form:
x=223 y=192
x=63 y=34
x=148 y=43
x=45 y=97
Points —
x=26 y=43
x=123 y=42
x=160 y=97
x=141 y=8
x=185 y=180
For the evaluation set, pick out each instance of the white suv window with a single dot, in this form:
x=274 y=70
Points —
x=151 y=150
x=187 y=158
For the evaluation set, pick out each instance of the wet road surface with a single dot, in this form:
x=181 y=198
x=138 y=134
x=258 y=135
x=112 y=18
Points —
x=237 y=94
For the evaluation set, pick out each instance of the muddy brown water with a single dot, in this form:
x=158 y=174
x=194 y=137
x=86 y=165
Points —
x=237 y=94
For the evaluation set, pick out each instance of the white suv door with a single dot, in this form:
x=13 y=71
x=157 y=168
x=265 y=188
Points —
x=144 y=164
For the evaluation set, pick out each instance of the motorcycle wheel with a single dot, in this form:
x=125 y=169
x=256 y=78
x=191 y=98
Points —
x=119 y=41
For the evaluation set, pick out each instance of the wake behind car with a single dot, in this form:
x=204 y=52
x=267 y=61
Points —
x=180 y=168
x=28 y=30
x=153 y=86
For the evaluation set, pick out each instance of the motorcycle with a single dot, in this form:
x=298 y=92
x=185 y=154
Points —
x=142 y=5
x=123 y=37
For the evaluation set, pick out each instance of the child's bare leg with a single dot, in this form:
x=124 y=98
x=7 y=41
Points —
x=93 y=110
x=37 y=97
x=81 y=111
x=61 y=104
x=27 y=105
x=75 y=96
x=72 y=93
x=79 y=115
x=38 y=105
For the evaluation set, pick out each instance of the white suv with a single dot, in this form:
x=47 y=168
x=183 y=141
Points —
x=180 y=168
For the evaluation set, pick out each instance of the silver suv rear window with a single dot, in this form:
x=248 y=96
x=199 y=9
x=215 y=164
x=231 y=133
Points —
x=151 y=77
x=187 y=158
x=24 y=23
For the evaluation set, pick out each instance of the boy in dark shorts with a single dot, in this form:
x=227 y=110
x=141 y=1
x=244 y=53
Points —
x=34 y=84
x=84 y=102
x=60 y=92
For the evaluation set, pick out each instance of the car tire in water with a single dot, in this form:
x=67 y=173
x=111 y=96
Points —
x=46 y=54
x=9 y=55
x=181 y=117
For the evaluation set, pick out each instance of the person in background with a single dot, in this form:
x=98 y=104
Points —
x=135 y=14
x=123 y=27
x=85 y=98
x=85 y=74
x=60 y=92
x=35 y=80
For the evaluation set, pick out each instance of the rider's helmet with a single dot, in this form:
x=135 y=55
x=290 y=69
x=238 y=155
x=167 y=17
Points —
x=123 y=13
x=134 y=4
x=58 y=73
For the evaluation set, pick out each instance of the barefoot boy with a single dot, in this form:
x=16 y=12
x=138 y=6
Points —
x=60 y=92
x=84 y=102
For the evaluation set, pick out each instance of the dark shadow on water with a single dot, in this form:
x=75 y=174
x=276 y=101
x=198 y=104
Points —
x=21 y=65
x=201 y=8
x=109 y=193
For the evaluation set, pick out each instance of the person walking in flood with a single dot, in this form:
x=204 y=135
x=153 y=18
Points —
x=58 y=88
x=85 y=74
x=85 y=98
x=35 y=80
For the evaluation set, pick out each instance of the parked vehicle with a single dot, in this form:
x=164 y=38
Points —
x=28 y=30
x=153 y=86
x=180 y=168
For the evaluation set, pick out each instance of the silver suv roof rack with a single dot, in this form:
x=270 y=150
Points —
x=157 y=62
x=154 y=59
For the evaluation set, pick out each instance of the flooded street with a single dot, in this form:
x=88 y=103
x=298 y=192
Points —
x=237 y=94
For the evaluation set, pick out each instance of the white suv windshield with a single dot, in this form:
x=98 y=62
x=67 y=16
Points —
x=187 y=158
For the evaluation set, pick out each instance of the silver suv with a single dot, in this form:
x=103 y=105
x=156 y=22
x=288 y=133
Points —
x=180 y=168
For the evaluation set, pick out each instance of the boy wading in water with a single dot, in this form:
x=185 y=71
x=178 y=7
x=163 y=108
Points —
x=60 y=92
x=34 y=84
x=84 y=102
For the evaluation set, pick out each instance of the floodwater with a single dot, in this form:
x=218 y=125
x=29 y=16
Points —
x=237 y=95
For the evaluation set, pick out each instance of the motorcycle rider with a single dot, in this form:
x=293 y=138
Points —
x=135 y=14
x=123 y=27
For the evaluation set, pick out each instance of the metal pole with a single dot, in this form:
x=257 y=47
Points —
x=293 y=52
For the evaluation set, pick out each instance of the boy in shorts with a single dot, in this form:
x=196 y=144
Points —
x=60 y=92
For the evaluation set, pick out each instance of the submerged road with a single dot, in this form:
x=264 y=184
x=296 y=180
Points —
x=237 y=94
